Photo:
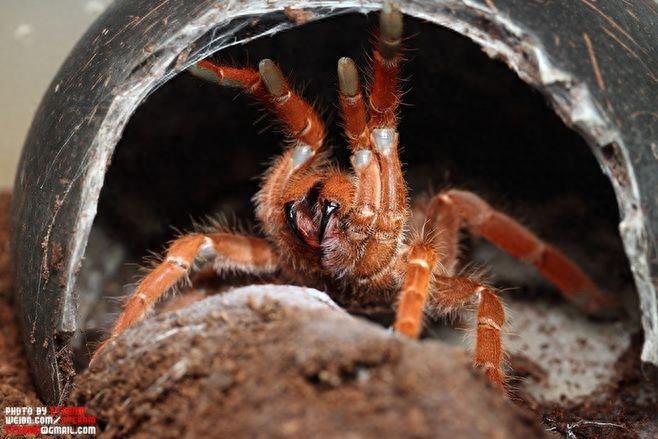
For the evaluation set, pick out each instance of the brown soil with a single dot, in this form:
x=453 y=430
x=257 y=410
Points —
x=626 y=409
x=273 y=370
x=15 y=385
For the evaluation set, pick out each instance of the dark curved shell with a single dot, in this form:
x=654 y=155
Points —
x=596 y=63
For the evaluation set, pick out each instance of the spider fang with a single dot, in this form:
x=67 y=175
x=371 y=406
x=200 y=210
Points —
x=291 y=219
x=329 y=208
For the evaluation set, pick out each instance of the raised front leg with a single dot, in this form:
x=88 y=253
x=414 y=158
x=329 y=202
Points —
x=227 y=251
x=378 y=209
x=267 y=84
x=380 y=190
x=300 y=121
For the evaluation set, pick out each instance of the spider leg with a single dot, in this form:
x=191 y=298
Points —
x=229 y=251
x=379 y=206
x=301 y=122
x=368 y=184
x=268 y=85
x=454 y=208
x=443 y=217
x=421 y=260
x=456 y=292
x=384 y=98
x=488 y=344
x=352 y=104
x=380 y=192
x=246 y=78
x=384 y=93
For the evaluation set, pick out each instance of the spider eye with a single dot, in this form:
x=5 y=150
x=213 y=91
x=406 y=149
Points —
x=327 y=210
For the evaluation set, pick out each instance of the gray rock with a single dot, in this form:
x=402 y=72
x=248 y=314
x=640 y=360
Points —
x=279 y=361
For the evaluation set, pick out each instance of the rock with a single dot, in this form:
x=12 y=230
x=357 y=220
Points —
x=279 y=361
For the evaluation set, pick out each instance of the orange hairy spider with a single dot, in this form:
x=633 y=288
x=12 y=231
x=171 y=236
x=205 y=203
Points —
x=354 y=233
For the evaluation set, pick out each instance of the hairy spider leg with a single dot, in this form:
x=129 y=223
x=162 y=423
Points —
x=421 y=260
x=228 y=252
x=300 y=121
x=245 y=78
x=488 y=344
x=368 y=184
x=352 y=105
x=449 y=294
x=453 y=209
x=267 y=84
x=379 y=207
x=384 y=98
x=453 y=293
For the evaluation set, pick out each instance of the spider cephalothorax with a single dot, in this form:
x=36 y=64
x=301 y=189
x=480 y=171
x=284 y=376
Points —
x=354 y=233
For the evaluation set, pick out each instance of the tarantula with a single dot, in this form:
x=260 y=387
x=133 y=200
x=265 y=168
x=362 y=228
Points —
x=354 y=234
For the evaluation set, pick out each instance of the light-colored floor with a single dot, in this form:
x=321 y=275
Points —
x=36 y=36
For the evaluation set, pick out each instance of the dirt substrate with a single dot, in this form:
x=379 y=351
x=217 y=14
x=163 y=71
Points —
x=15 y=385
x=252 y=363
x=626 y=408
